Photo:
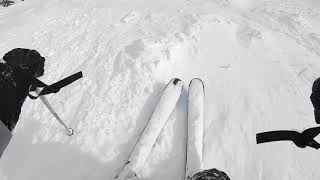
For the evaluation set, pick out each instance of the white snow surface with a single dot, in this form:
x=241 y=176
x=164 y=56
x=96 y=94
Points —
x=257 y=58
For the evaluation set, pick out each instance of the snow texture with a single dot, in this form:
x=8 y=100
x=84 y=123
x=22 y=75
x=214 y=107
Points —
x=258 y=59
x=195 y=128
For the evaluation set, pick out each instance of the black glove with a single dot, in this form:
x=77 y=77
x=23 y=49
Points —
x=308 y=136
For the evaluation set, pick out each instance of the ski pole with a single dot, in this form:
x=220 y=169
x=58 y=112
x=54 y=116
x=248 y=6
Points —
x=70 y=131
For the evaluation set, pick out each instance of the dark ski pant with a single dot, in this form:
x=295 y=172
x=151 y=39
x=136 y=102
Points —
x=5 y=137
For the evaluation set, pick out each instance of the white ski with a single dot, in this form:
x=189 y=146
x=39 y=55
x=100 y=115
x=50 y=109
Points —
x=152 y=130
x=195 y=128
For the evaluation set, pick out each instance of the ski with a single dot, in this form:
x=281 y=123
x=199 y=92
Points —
x=152 y=130
x=195 y=128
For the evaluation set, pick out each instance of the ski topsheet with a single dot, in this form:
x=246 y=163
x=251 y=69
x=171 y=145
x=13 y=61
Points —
x=195 y=128
x=152 y=130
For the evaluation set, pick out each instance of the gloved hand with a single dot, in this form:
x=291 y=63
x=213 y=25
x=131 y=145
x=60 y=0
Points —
x=308 y=136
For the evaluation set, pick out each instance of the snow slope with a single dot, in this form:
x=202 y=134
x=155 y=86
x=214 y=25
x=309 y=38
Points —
x=258 y=60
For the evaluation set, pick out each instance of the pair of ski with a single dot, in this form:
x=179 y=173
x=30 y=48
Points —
x=157 y=121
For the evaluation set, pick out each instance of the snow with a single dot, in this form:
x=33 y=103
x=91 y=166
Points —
x=258 y=60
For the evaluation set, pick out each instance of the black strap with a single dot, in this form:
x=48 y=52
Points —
x=55 y=87
x=275 y=136
x=299 y=139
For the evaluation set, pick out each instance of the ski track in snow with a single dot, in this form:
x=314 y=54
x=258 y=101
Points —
x=257 y=59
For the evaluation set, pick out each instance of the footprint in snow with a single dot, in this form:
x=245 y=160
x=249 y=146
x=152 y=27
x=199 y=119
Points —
x=227 y=67
x=130 y=17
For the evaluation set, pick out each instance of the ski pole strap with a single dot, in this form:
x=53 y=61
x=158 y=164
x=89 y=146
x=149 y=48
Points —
x=301 y=140
x=55 y=87
x=276 y=136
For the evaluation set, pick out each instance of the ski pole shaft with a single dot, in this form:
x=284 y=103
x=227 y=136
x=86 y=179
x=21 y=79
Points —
x=48 y=105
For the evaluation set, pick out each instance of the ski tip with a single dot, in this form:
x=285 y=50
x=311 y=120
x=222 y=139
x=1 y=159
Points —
x=196 y=80
x=175 y=81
